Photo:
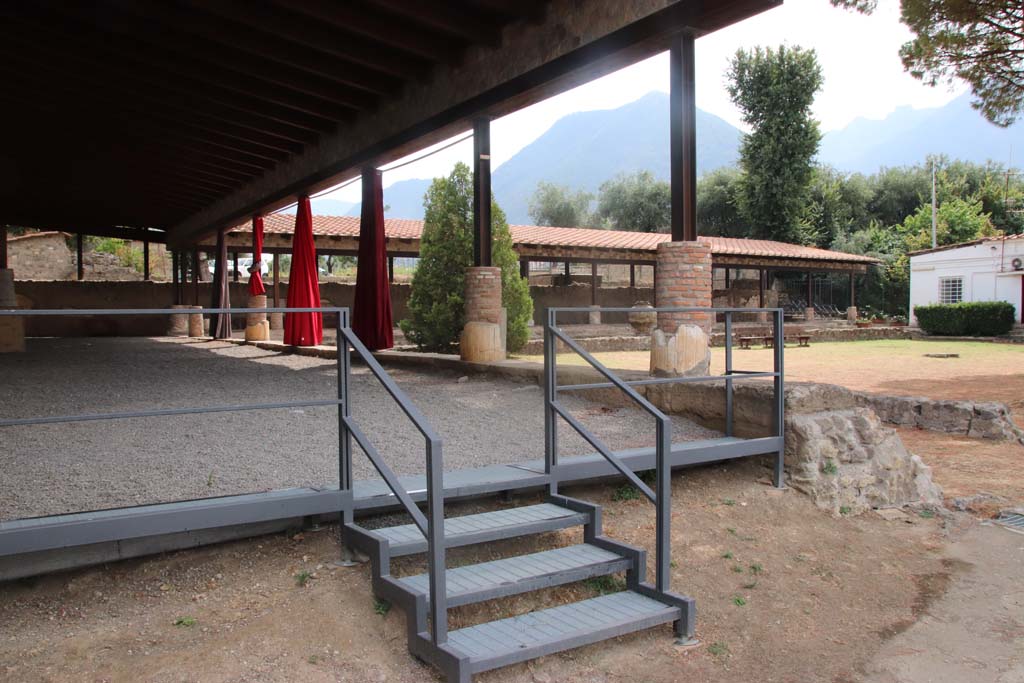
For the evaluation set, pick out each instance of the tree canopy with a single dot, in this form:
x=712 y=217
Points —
x=978 y=41
x=437 y=305
x=636 y=201
x=557 y=205
x=774 y=90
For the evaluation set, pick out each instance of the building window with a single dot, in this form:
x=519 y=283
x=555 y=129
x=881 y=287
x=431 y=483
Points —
x=951 y=290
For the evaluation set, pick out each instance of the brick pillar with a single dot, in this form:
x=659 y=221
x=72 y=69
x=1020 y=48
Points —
x=483 y=339
x=683 y=278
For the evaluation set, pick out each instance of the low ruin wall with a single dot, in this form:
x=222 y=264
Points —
x=976 y=419
x=62 y=294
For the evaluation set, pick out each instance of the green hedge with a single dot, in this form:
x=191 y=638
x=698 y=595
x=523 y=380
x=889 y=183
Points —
x=966 y=319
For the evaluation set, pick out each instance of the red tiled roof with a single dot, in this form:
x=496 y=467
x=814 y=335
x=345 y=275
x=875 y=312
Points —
x=535 y=235
x=969 y=243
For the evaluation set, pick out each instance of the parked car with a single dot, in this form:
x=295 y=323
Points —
x=244 y=264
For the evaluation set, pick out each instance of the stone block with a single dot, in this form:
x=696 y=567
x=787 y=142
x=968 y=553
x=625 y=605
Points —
x=685 y=353
x=12 y=334
x=178 y=326
x=481 y=342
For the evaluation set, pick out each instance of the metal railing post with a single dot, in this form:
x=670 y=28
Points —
x=664 y=505
x=728 y=373
x=550 y=396
x=345 y=407
x=780 y=396
x=435 y=542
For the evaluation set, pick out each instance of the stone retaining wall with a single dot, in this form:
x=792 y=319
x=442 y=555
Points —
x=980 y=420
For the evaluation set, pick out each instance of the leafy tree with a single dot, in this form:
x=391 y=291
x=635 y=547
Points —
x=556 y=205
x=956 y=220
x=978 y=41
x=717 y=204
x=637 y=202
x=437 y=306
x=836 y=204
x=774 y=90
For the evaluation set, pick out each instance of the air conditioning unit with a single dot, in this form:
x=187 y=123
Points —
x=1017 y=263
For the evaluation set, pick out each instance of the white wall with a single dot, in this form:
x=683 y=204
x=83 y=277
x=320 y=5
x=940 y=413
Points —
x=985 y=269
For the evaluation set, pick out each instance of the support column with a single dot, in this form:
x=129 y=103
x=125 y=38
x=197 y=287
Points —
x=174 y=277
x=234 y=264
x=809 y=311
x=195 y=277
x=727 y=277
x=482 y=192
x=277 y=319
x=391 y=269
x=524 y=269
x=12 y=330
x=680 y=345
x=632 y=276
x=595 y=316
x=78 y=252
x=483 y=337
x=145 y=259
x=683 y=138
x=851 y=310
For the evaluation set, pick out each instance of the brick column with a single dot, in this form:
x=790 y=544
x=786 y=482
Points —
x=483 y=338
x=683 y=278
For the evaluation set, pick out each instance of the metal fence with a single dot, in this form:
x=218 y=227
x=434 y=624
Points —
x=661 y=496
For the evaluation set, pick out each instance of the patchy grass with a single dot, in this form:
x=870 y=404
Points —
x=718 y=649
x=185 y=622
x=739 y=601
x=626 y=492
x=381 y=607
x=603 y=585
x=302 y=578
x=830 y=467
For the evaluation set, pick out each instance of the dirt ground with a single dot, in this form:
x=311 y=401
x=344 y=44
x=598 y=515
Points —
x=899 y=367
x=965 y=468
x=785 y=593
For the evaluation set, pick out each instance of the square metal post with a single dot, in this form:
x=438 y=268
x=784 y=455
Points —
x=780 y=397
x=728 y=373
x=663 y=505
x=550 y=396
x=482 y=192
x=683 y=138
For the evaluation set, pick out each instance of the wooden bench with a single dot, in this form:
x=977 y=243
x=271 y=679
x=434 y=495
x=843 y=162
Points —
x=745 y=342
x=768 y=341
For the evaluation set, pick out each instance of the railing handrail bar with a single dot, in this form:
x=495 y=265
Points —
x=163 y=412
x=605 y=451
x=658 y=309
x=18 y=312
x=396 y=392
x=386 y=473
x=614 y=379
x=669 y=380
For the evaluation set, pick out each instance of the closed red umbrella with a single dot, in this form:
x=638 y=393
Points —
x=371 y=310
x=303 y=329
x=256 y=287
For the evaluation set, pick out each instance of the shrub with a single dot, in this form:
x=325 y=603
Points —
x=437 y=305
x=966 y=319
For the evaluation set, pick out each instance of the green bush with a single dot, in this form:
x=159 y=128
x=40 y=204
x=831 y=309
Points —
x=966 y=319
x=437 y=305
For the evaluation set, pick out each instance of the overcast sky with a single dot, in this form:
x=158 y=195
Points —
x=859 y=56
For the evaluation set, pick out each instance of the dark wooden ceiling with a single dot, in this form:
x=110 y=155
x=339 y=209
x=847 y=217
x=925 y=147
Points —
x=142 y=112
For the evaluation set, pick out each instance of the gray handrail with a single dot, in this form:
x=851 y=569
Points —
x=431 y=525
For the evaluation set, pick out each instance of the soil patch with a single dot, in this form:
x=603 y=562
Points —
x=785 y=592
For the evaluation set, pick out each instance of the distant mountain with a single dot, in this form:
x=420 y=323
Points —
x=584 y=149
x=908 y=136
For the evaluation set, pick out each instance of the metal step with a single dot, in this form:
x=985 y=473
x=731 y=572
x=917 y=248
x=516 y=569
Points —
x=514 y=575
x=500 y=643
x=487 y=526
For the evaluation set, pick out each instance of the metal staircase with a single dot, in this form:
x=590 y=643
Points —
x=494 y=644
x=425 y=598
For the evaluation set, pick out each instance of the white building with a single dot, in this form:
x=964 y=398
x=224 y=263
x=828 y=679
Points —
x=987 y=269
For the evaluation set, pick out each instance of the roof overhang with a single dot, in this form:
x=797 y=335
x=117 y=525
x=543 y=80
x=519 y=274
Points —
x=187 y=116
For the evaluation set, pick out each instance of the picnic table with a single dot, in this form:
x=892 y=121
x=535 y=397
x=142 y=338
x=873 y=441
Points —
x=768 y=340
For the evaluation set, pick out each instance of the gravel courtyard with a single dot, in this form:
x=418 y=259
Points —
x=54 y=469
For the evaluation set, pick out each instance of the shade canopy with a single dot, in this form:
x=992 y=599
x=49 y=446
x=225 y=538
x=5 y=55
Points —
x=303 y=329
x=371 y=314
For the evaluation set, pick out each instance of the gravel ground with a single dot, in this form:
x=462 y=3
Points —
x=53 y=469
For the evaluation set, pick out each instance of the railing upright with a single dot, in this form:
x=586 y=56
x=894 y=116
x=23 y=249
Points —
x=663 y=541
x=780 y=399
x=550 y=396
x=344 y=363
x=728 y=374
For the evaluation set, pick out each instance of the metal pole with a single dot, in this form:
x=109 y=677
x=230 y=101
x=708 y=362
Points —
x=780 y=398
x=632 y=275
x=435 y=530
x=277 y=279
x=593 y=283
x=683 y=138
x=145 y=259
x=934 y=206
x=78 y=250
x=482 y=192
x=550 y=396
x=664 y=505
x=728 y=372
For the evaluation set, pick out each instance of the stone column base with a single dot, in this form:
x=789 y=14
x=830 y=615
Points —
x=257 y=328
x=685 y=353
x=277 y=321
x=851 y=314
x=12 y=330
x=808 y=314
x=594 y=317
x=179 y=322
x=195 y=323
x=481 y=343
